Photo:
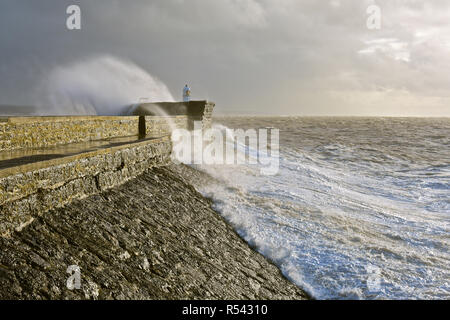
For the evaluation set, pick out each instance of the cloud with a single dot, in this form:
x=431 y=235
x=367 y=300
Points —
x=262 y=56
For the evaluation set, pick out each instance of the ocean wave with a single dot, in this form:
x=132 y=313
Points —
x=351 y=214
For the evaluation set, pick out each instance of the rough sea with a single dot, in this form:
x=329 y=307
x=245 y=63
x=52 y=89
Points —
x=359 y=209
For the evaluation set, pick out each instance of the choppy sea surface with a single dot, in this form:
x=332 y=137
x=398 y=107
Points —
x=359 y=209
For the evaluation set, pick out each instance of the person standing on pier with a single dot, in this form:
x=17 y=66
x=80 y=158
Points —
x=186 y=93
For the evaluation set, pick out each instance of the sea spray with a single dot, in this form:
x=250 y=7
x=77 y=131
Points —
x=358 y=210
x=103 y=85
x=218 y=145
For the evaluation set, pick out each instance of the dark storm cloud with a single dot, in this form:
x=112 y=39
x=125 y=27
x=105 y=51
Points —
x=250 y=56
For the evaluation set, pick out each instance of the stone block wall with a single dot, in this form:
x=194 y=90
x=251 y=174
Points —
x=36 y=132
x=157 y=126
x=174 y=111
x=207 y=114
x=30 y=190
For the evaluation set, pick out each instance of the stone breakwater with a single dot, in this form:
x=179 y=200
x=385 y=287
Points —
x=154 y=237
x=101 y=194
x=30 y=190
x=150 y=120
x=39 y=170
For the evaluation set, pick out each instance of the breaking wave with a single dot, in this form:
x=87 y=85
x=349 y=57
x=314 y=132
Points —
x=103 y=85
x=360 y=208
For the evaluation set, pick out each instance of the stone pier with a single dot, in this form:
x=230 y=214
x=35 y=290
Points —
x=47 y=162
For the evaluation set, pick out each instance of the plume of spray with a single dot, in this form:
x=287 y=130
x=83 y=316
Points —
x=103 y=85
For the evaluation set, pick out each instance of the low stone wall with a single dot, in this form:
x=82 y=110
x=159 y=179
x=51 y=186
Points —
x=158 y=119
x=156 y=126
x=30 y=190
x=36 y=132
x=178 y=112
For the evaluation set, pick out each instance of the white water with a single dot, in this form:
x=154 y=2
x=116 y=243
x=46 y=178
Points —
x=357 y=211
x=104 y=85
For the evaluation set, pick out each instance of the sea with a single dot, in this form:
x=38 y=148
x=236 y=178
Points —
x=359 y=207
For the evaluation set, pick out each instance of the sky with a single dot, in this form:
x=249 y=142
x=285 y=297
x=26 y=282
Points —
x=274 y=57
